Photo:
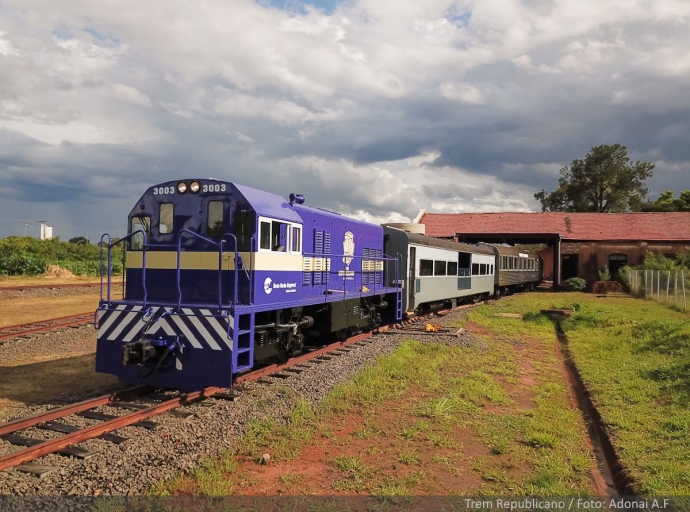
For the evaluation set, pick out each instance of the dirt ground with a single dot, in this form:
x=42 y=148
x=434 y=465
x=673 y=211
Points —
x=6 y=282
x=388 y=448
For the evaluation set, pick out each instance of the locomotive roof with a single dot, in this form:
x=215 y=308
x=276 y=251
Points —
x=416 y=238
x=270 y=205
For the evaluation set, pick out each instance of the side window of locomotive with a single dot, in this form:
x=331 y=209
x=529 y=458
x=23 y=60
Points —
x=439 y=268
x=426 y=268
x=214 y=224
x=452 y=268
x=137 y=241
x=165 y=218
x=279 y=236
x=243 y=231
x=296 y=239
x=475 y=269
x=265 y=235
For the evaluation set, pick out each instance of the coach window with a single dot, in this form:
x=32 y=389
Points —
x=296 y=239
x=439 y=268
x=140 y=223
x=482 y=269
x=452 y=268
x=464 y=264
x=165 y=218
x=214 y=224
x=491 y=270
x=426 y=268
x=475 y=269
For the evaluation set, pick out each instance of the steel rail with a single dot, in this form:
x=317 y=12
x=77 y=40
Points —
x=50 y=286
x=53 y=445
x=60 y=412
x=14 y=331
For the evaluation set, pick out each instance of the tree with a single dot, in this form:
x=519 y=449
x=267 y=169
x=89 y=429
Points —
x=666 y=202
x=605 y=181
x=78 y=240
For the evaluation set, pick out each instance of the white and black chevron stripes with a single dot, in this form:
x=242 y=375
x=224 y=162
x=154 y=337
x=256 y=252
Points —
x=197 y=326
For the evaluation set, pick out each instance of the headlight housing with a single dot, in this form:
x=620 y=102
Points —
x=194 y=187
x=182 y=187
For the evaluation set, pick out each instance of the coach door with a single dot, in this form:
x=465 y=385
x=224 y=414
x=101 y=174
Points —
x=413 y=278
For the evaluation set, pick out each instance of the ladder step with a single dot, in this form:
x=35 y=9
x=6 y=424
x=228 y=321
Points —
x=243 y=350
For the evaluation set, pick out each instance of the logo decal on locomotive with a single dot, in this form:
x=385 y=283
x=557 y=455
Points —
x=348 y=249
x=268 y=288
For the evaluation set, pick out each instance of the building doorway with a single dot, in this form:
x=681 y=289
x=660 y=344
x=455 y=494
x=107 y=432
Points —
x=570 y=264
x=616 y=262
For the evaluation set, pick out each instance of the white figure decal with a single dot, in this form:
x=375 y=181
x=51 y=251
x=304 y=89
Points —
x=268 y=288
x=348 y=249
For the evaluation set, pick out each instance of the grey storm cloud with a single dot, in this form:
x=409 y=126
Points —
x=374 y=108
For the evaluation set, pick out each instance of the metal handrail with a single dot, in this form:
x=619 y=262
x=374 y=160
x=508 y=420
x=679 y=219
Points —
x=179 y=259
x=110 y=262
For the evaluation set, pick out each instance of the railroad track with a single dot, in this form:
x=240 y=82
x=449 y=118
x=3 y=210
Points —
x=16 y=331
x=139 y=416
x=53 y=286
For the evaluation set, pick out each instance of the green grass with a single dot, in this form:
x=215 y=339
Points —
x=430 y=405
x=634 y=357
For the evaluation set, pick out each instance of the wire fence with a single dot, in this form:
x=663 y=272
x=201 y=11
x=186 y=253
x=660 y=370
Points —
x=661 y=285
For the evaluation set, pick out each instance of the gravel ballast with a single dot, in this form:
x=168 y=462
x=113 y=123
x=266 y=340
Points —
x=179 y=444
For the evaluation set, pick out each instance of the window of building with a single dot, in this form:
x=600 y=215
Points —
x=426 y=268
x=439 y=268
x=140 y=223
x=475 y=269
x=452 y=268
x=165 y=218
x=616 y=262
x=214 y=225
x=296 y=239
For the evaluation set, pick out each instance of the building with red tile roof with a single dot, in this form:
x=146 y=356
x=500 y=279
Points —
x=579 y=244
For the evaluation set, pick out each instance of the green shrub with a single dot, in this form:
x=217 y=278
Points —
x=576 y=283
x=26 y=256
x=605 y=275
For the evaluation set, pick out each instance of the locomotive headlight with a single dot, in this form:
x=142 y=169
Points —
x=194 y=187
x=182 y=187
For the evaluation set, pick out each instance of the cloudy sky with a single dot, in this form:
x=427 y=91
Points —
x=375 y=108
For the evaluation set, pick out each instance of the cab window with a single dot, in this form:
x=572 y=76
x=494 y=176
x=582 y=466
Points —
x=214 y=224
x=296 y=239
x=140 y=223
x=165 y=218
x=265 y=235
x=279 y=234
